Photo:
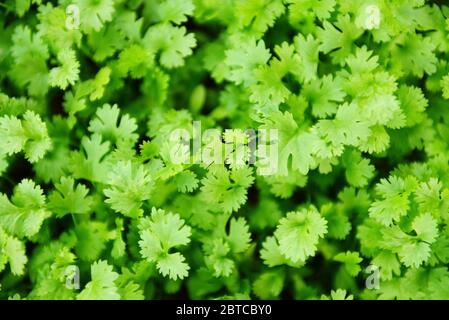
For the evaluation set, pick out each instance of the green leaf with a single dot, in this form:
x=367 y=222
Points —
x=358 y=170
x=395 y=204
x=415 y=54
x=445 y=86
x=269 y=90
x=131 y=291
x=94 y=14
x=175 y=11
x=340 y=41
x=269 y=284
x=172 y=42
x=239 y=237
x=348 y=127
x=388 y=264
x=426 y=227
x=67 y=73
x=135 y=60
x=22 y=6
x=158 y=234
x=90 y=240
x=243 y=59
x=12 y=251
x=351 y=261
x=299 y=232
x=173 y=266
x=24 y=215
x=338 y=220
x=227 y=188
x=186 y=181
x=271 y=253
x=307 y=48
x=338 y=294
x=323 y=95
x=102 y=286
x=52 y=27
x=107 y=124
x=217 y=258
x=321 y=9
x=294 y=144
x=69 y=199
x=29 y=135
x=30 y=54
x=258 y=15
x=13 y=135
x=90 y=164
x=129 y=185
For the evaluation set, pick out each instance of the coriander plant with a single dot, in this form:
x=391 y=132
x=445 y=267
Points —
x=224 y=149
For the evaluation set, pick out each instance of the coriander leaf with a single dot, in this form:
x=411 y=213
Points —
x=102 y=286
x=93 y=14
x=129 y=185
x=299 y=232
x=175 y=11
x=69 y=198
x=108 y=125
x=351 y=261
x=67 y=73
x=173 y=43
x=24 y=214
x=12 y=250
x=239 y=236
x=227 y=188
x=158 y=234
x=29 y=134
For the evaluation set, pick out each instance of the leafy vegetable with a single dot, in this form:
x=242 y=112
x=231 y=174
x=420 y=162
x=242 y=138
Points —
x=232 y=149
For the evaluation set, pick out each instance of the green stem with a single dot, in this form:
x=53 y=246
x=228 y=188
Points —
x=74 y=220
